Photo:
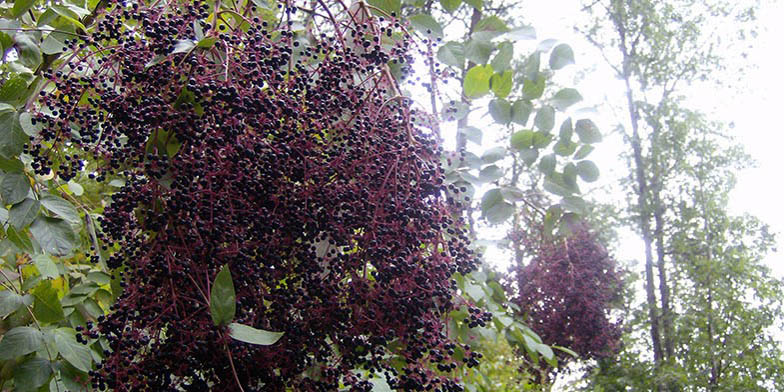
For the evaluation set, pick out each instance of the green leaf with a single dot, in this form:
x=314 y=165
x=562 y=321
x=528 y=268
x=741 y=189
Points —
x=565 y=98
x=583 y=151
x=521 y=111
x=248 y=334
x=14 y=90
x=11 y=165
x=9 y=302
x=54 y=235
x=452 y=53
x=555 y=184
x=490 y=173
x=207 y=42
x=473 y=134
x=12 y=136
x=502 y=84
x=574 y=204
x=77 y=354
x=501 y=60
x=588 y=171
x=477 y=81
x=69 y=15
x=546 y=45
x=60 y=207
x=389 y=6
x=547 y=164
x=46 y=306
x=564 y=148
x=451 y=5
x=561 y=56
x=521 y=34
x=477 y=4
x=501 y=111
x=545 y=118
x=46 y=266
x=478 y=50
x=184 y=46
x=494 y=208
x=32 y=374
x=427 y=25
x=29 y=52
x=23 y=213
x=512 y=194
x=587 y=131
x=20 y=239
x=533 y=89
x=566 y=131
x=492 y=23
x=14 y=188
x=522 y=139
x=493 y=154
x=223 y=300
x=570 y=175
x=20 y=7
x=531 y=67
x=20 y=341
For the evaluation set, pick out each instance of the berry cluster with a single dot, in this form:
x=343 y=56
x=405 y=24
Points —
x=567 y=292
x=288 y=155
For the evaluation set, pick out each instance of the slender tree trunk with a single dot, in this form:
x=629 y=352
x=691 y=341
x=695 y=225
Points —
x=645 y=225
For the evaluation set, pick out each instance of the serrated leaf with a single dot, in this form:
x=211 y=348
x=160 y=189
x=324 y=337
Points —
x=20 y=239
x=20 y=341
x=501 y=60
x=501 y=111
x=23 y=213
x=32 y=374
x=60 y=207
x=223 y=300
x=587 y=131
x=451 y=5
x=545 y=118
x=477 y=81
x=574 y=204
x=426 y=25
x=12 y=135
x=69 y=15
x=521 y=111
x=46 y=305
x=565 y=98
x=14 y=187
x=561 y=56
x=501 y=84
x=248 y=334
x=77 y=354
x=54 y=235
x=452 y=53
x=588 y=171
x=207 y=42
x=20 y=7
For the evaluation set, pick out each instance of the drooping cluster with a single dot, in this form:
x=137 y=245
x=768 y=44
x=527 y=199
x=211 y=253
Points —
x=284 y=152
x=566 y=293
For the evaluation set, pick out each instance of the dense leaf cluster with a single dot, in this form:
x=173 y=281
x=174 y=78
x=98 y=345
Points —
x=295 y=162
